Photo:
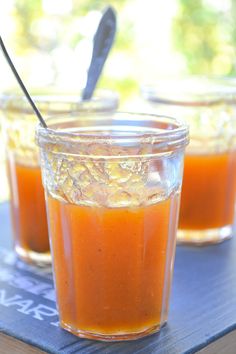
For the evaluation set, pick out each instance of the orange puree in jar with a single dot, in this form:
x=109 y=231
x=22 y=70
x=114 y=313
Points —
x=208 y=192
x=28 y=208
x=110 y=265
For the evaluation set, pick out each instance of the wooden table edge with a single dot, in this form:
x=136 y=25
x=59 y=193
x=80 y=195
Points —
x=11 y=345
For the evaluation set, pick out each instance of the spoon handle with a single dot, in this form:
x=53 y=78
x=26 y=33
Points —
x=102 y=43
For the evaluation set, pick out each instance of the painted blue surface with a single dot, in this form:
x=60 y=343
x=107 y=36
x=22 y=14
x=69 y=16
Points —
x=203 y=305
x=5 y=226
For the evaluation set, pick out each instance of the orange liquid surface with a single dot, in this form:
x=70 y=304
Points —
x=208 y=192
x=28 y=208
x=110 y=265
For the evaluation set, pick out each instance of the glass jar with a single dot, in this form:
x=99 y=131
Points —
x=4 y=191
x=209 y=183
x=112 y=191
x=27 y=195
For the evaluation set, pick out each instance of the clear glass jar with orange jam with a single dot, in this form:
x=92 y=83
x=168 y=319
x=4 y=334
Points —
x=28 y=207
x=208 y=105
x=4 y=190
x=112 y=191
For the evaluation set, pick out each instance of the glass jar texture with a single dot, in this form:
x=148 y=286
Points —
x=112 y=191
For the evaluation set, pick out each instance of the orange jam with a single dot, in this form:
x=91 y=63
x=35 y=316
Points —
x=28 y=208
x=208 y=192
x=110 y=265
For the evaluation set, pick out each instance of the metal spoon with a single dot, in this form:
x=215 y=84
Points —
x=102 y=43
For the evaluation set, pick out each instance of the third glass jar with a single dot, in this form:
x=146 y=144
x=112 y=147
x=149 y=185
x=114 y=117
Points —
x=208 y=105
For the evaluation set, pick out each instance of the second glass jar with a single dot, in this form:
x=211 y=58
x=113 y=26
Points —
x=26 y=191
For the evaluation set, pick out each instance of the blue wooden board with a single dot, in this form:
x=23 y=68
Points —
x=203 y=304
x=5 y=226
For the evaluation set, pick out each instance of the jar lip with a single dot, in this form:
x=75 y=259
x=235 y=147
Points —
x=68 y=101
x=191 y=91
x=165 y=132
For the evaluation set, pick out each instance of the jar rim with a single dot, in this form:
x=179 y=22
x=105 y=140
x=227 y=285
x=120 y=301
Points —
x=61 y=102
x=191 y=91
x=121 y=128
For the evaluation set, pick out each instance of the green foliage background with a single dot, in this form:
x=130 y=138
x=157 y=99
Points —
x=206 y=36
x=203 y=34
x=26 y=12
